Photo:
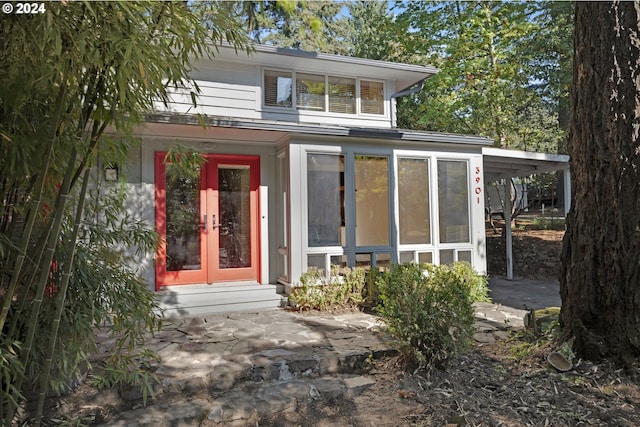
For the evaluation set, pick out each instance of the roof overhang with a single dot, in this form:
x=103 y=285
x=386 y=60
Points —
x=504 y=164
x=190 y=126
x=405 y=75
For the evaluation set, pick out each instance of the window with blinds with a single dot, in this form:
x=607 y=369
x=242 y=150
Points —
x=310 y=92
x=319 y=92
x=342 y=95
x=278 y=89
x=371 y=97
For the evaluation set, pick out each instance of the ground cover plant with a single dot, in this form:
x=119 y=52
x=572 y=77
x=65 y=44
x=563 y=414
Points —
x=427 y=308
x=342 y=289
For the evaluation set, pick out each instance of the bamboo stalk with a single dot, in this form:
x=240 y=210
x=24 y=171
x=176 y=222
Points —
x=24 y=297
x=32 y=215
x=44 y=269
x=62 y=293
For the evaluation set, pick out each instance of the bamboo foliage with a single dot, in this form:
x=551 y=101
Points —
x=71 y=74
x=55 y=324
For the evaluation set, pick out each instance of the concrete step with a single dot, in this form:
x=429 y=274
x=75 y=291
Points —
x=202 y=299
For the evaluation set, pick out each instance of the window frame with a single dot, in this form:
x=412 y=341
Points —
x=359 y=96
x=264 y=90
x=294 y=95
x=467 y=162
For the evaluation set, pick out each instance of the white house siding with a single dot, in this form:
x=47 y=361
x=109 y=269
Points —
x=216 y=99
x=234 y=90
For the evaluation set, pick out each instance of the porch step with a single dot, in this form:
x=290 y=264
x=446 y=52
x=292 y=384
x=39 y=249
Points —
x=194 y=300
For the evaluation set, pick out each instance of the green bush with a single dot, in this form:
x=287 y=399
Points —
x=343 y=289
x=477 y=284
x=429 y=310
x=371 y=290
x=544 y=223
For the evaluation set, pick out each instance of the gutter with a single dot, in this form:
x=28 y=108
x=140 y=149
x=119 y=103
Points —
x=416 y=87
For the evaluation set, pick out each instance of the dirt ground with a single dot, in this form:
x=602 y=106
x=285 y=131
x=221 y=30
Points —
x=536 y=253
x=492 y=385
x=507 y=383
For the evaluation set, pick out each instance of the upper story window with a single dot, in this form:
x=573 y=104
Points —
x=310 y=90
x=371 y=97
x=278 y=89
x=342 y=95
x=318 y=92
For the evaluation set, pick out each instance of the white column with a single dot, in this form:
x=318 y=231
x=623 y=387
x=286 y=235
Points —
x=296 y=169
x=566 y=175
x=264 y=234
x=507 y=227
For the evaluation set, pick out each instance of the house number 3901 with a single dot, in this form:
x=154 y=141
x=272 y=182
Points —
x=478 y=189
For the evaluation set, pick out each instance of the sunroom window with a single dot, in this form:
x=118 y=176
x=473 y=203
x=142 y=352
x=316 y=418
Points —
x=413 y=201
x=278 y=89
x=372 y=200
x=453 y=201
x=325 y=187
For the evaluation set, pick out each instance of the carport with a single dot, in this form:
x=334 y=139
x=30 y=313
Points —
x=502 y=164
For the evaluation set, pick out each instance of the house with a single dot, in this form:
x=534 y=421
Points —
x=304 y=168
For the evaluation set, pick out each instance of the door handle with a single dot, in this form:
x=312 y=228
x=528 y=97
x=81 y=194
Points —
x=204 y=221
x=213 y=222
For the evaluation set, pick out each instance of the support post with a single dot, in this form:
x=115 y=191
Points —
x=566 y=177
x=507 y=227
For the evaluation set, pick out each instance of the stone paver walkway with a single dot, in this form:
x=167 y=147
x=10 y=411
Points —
x=230 y=368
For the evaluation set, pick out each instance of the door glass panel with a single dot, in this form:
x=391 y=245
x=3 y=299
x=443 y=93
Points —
x=183 y=224
x=372 y=201
x=234 y=216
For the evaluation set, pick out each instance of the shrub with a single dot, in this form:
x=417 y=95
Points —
x=371 y=292
x=477 y=284
x=343 y=289
x=429 y=310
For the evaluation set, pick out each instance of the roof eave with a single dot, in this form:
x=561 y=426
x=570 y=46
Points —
x=310 y=129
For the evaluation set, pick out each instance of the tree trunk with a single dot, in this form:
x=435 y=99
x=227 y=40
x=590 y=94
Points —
x=600 y=276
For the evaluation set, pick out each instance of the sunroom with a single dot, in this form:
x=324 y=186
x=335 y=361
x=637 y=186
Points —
x=370 y=201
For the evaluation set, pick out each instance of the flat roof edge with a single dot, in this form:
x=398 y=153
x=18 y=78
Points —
x=372 y=133
x=261 y=48
x=528 y=155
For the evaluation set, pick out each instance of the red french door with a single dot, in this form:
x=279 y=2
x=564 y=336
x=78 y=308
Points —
x=208 y=225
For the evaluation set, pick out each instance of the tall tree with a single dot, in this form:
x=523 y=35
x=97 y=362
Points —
x=485 y=85
x=374 y=33
x=315 y=26
x=552 y=59
x=600 y=276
